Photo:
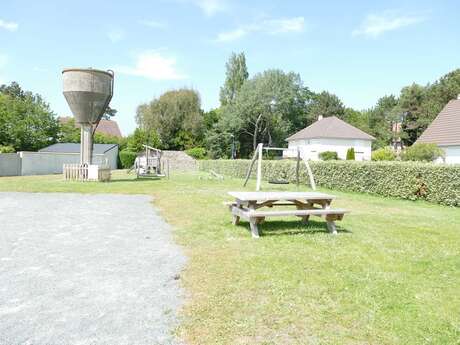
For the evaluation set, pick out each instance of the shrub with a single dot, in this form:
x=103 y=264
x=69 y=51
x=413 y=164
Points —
x=422 y=152
x=197 y=152
x=351 y=154
x=127 y=158
x=383 y=154
x=7 y=149
x=407 y=180
x=328 y=156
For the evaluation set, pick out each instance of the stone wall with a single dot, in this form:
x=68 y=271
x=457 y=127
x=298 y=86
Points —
x=179 y=161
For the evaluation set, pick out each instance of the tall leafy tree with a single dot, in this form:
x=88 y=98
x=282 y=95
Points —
x=381 y=119
x=325 y=104
x=236 y=75
x=268 y=107
x=26 y=120
x=176 y=116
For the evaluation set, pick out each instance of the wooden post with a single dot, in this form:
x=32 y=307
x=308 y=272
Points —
x=259 y=166
x=297 y=167
x=248 y=174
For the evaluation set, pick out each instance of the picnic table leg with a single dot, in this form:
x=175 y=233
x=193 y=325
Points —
x=304 y=206
x=253 y=221
x=254 y=229
x=235 y=220
x=330 y=221
x=331 y=227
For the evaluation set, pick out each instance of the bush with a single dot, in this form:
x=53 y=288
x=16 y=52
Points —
x=383 y=154
x=407 y=180
x=7 y=149
x=127 y=158
x=197 y=152
x=422 y=152
x=351 y=154
x=328 y=155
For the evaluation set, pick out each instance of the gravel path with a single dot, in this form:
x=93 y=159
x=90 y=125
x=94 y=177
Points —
x=86 y=269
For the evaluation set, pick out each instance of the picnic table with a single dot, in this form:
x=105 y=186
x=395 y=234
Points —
x=247 y=205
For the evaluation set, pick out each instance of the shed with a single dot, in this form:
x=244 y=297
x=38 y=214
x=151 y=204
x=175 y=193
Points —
x=330 y=134
x=444 y=131
x=100 y=152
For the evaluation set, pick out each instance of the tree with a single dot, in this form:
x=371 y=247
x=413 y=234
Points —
x=410 y=105
x=176 y=117
x=236 y=75
x=381 y=119
x=142 y=137
x=69 y=132
x=267 y=108
x=26 y=120
x=325 y=104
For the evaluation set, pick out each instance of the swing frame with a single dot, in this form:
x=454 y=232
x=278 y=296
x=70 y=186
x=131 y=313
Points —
x=258 y=156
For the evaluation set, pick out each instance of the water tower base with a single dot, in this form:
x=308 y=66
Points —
x=84 y=172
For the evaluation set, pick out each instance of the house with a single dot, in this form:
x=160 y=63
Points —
x=329 y=134
x=444 y=131
x=107 y=127
x=102 y=153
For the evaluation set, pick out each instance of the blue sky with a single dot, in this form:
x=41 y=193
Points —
x=359 y=50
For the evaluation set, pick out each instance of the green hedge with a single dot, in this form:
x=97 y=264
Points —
x=127 y=158
x=407 y=180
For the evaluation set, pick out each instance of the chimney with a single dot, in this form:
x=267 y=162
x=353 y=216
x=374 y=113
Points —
x=320 y=117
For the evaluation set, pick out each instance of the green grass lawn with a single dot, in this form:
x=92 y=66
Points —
x=391 y=276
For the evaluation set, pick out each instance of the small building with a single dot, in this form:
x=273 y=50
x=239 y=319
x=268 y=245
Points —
x=444 y=131
x=107 y=127
x=329 y=134
x=102 y=153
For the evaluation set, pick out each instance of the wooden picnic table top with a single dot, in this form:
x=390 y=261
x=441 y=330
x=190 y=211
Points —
x=278 y=196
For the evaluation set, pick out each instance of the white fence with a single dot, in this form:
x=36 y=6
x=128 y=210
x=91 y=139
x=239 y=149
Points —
x=83 y=172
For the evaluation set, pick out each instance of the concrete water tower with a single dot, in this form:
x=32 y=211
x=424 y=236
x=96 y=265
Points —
x=88 y=92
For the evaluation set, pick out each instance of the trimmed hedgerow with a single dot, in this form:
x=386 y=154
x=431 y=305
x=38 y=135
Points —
x=127 y=158
x=407 y=180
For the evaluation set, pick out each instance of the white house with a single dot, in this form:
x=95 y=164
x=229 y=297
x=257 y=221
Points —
x=445 y=132
x=329 y=134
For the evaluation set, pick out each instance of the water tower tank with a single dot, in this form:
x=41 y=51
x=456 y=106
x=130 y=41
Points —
x=88 y=92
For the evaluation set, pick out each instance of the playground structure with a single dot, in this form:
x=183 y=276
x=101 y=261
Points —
x=88 y=93
x=258 y=155
x=149 y=163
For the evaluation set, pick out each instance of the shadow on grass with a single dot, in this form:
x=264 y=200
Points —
x=293 y=227
x=134 y=179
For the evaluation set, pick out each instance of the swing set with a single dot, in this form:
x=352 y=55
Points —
x=258 y=156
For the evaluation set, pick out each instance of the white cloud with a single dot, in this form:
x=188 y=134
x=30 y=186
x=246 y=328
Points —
x=375 y=25
x=152 y=65
x=269 y=26
x=153 y=24
x=116 y=35
x=211 y=7
x=10 y=26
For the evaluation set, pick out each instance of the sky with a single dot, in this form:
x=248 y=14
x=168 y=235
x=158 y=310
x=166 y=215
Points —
x=359 y=50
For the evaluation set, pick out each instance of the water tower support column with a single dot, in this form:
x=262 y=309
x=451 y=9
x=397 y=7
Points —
x=86 y=148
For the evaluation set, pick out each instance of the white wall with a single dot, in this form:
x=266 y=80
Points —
x=452 y=154
x=10 y=164
x=313 y=147
x=44 y=163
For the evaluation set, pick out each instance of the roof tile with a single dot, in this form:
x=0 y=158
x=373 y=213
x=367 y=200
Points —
x=331 y=127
